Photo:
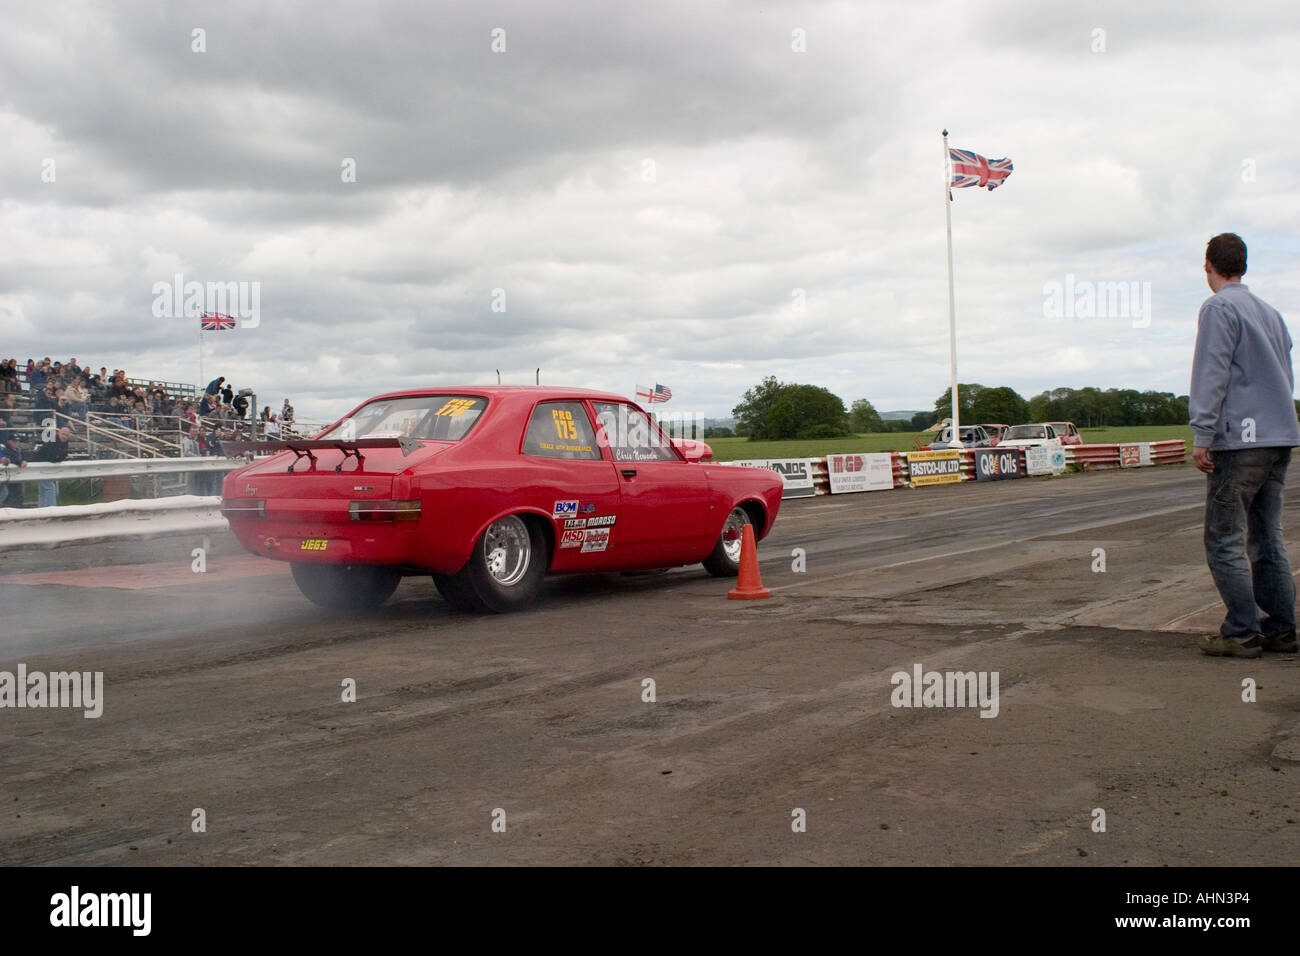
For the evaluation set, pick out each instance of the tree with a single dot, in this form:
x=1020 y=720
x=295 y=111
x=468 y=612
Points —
x=807 y=411
x=863 y=417
x=773 y=410
x=966 y=396
x=1001 y=405
x=752 y=413
x=921 y=421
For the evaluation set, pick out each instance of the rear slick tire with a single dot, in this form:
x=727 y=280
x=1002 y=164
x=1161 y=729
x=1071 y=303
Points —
x=345 y=587
x=505 y=570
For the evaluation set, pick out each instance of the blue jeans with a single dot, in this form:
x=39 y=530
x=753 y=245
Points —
x=47 y=494
x=1243 y=541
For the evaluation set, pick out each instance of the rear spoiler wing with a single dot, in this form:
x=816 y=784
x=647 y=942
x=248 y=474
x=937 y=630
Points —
x=303 y=448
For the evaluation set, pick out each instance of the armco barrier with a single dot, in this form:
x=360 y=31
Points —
x=85 y=524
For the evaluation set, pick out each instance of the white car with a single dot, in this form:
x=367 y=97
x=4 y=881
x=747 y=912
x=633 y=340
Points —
x=1027 y=436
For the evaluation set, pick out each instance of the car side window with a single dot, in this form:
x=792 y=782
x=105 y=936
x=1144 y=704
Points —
x=630 y=435
x=561 y=430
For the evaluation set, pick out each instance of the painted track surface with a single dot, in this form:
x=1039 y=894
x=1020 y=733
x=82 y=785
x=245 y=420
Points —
x=222 y=692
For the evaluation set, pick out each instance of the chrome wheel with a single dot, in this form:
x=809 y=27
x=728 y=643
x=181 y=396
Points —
x=732 y=533
x=507 y=549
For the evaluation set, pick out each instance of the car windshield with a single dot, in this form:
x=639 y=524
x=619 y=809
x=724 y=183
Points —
x=1024 y=431
x=434 y=417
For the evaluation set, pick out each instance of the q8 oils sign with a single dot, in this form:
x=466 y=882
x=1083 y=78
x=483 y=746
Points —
x=994 y=465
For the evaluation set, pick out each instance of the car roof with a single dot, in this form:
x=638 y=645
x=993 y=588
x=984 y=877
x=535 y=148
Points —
x=531 y=392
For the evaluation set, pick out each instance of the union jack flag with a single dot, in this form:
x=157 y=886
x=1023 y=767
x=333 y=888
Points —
x=660 y=393
x=215 y=322
x=972 y=169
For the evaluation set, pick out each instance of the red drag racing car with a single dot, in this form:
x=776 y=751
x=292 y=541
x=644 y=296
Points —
x=489 y=489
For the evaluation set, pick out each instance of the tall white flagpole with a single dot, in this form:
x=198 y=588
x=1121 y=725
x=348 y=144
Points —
x=952 y=304
x=201 y=349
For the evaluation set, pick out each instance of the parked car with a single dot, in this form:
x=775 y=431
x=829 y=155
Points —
x=1025 y=436
x=972 y=436
x=995 y=432
x=488 y=490
x=1066 y=431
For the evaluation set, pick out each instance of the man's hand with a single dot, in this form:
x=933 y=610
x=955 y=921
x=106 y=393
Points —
x=1201 y=456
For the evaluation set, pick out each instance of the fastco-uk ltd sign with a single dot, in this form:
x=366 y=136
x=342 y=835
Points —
x=934 y=467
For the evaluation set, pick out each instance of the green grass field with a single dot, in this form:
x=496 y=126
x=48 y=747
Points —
x=730 y=449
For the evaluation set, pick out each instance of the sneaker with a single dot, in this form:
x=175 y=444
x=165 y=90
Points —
x=1284 y=643
x=1217 y=646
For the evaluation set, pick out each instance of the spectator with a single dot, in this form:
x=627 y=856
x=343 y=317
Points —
x=53 y=452
x=11 y=453
x=286 y=413
x=228 y=395
x=272 y=427
x=240 y=406
x=36 y=377
x=78 y=400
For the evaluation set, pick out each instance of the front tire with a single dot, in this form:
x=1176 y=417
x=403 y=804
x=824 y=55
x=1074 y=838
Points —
x=724 y=562
x=505 y=571
x=345 y=587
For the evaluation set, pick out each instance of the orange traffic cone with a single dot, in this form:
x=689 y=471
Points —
x=748 y=585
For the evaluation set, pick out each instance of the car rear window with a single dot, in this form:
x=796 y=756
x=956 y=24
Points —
x=433 y=417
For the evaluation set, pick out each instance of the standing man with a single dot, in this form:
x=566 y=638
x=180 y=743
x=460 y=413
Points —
x=1243 y=419
x=11 y=453
x=53 y=452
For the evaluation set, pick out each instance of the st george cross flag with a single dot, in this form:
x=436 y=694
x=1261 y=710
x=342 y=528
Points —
x=648 y=395
x=972 y=169
x=215 y=322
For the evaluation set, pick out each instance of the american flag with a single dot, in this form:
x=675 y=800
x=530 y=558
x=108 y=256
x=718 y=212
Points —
x=215 y=322
x=972 y=169
x=660 y=393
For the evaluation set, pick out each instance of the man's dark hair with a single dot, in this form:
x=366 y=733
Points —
x=1227 y=253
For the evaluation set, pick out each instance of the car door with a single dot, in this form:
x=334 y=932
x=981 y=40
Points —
x=575 y=483
x=667 y=512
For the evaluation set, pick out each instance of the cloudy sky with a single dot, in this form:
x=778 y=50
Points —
x=694 y=193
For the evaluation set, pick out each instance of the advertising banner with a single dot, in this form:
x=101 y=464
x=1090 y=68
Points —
x=1135 y=455
x=933 y=467
x=994 y=465
x=1045 y=460
x=864 y=472
x=795 y=472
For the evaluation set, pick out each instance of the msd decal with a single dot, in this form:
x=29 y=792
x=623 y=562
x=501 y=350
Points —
x=573 y=539
x=564 y=509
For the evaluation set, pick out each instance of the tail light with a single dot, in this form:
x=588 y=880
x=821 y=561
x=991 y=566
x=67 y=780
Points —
x=243 y=507
x=384 y=510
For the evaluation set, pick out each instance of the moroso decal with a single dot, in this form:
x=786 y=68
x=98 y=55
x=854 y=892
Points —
x=564 y=508
x=573 y=539
x=601 y=521
x=575 y=523
x=596 y=540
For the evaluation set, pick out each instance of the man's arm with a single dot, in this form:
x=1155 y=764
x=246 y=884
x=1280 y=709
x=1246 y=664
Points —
x=1216 y=341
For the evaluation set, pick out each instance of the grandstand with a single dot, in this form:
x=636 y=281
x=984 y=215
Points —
x=124 y=417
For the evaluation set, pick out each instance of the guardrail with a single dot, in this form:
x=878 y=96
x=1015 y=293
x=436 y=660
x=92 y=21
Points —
x=105 y=468
x=118 y=520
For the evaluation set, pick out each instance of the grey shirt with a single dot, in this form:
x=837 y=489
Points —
x=1242 y=383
